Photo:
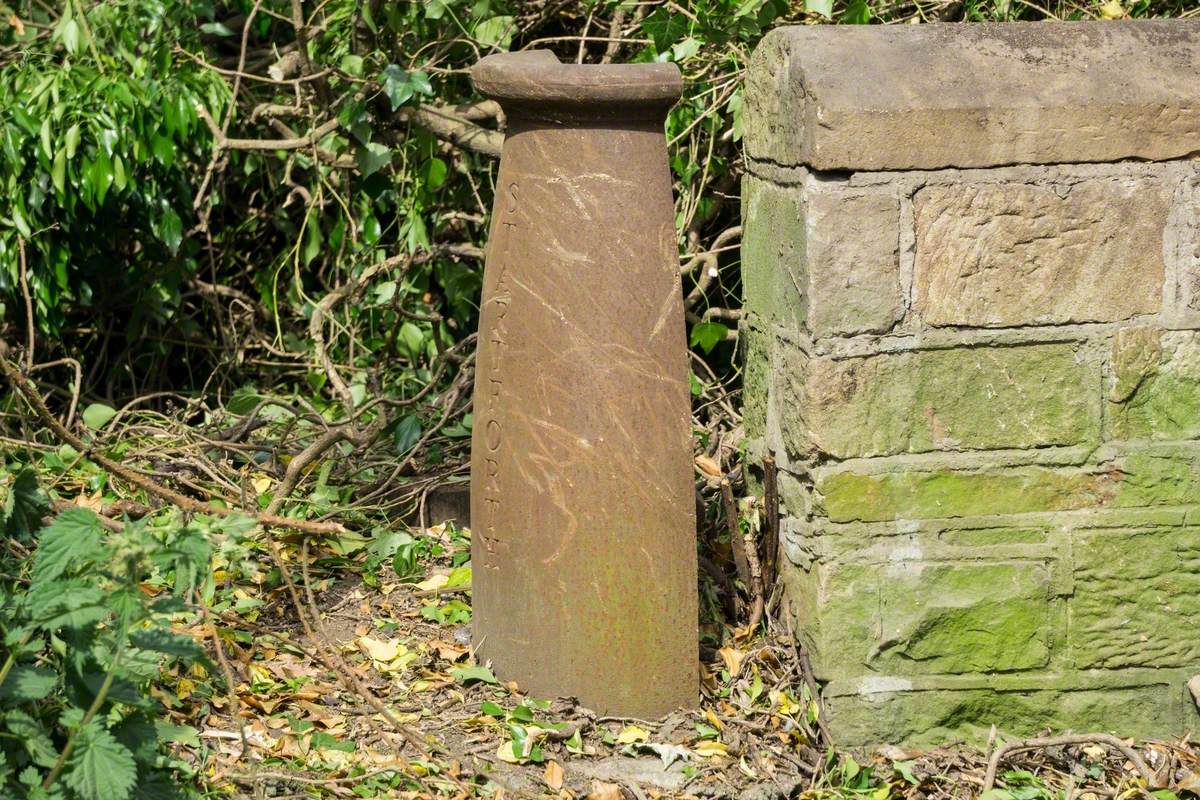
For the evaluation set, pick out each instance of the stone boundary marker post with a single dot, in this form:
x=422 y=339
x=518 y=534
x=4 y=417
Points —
x=582 y=504
x=972 y=269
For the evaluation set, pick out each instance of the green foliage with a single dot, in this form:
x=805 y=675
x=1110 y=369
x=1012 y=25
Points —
x=100 y=145
x=86 y=626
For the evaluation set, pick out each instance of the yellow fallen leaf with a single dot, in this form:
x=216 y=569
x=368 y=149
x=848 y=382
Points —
x=433 y=583
x=553 y=775
x=1112 y=10
x=17 y=24
x=261 y=483
x=713 y=719
x=632 y=733
x=787 y=705
x=377 y=649
x=733 y=660
x=184 y=688
x=709 y=748
x=505 y=753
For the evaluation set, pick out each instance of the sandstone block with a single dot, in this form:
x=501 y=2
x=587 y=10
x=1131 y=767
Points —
x=933 y=716
x=852 y=262
x=933 y=494
x=961 y=399
x=773 y=253
x=1136 y=596
x=1010 y=254
x=1155 y=384
x=865 y=97
x=922 y=617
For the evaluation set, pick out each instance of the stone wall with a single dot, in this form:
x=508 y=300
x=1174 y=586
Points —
x=971 y=265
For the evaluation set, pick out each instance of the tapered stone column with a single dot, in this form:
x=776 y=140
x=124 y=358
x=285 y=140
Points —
x=581 y=481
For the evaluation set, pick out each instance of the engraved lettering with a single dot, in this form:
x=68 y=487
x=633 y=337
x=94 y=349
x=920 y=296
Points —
x=494 y=435
x=493 y=431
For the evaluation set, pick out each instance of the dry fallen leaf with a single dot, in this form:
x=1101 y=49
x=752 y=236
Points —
x=632 y=733
x=553 y=775
x=709 y=749
x=733 y=660
x=18 y=26
x=708 y=466
x=604 y=791
x=377 y=649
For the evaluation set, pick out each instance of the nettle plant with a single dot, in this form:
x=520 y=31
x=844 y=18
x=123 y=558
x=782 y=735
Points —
x=85 y=621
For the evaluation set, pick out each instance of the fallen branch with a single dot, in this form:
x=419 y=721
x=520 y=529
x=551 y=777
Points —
x=22 y=386
x=989 y=780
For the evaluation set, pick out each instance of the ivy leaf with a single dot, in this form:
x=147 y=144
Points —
x=707 y=335
x=822 y=7
x=72 y=539
x=665 y=28
x=372 y=158
x=97 y=415
x=495 y=32
x=465 y=675
x=24 y=506
x=396 y=85
x=101 y=768
x=407 y=433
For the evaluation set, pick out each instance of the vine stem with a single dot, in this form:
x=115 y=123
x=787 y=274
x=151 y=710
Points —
x=101 y=695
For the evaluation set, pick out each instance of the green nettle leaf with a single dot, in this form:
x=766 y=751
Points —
x=172 y=644
x=97 y=415
x=24 y=506
x=29 y=731
x=707 y=335
x=373 y=157
x=26 y=683
x=71 y=540
x=101 y=768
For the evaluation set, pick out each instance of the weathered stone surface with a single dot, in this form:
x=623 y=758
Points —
x=755 y=380
x=928 y=96
x=1019 y=254
x=773 y=253
x=920 y=617
x=849 y=496
x=1137 y=596
x=933 y=716
x=1165 y=476
x=1182 y=245
x=961 y=399
x=852 y=262
x=1156 y=384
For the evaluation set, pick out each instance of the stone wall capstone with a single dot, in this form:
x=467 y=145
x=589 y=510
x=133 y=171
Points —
x=971 y=265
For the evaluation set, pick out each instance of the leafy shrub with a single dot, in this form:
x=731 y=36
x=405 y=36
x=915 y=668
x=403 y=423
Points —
x=85 y=618
x=100 y=152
